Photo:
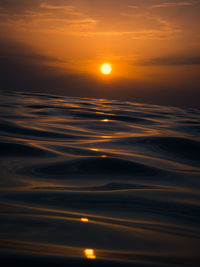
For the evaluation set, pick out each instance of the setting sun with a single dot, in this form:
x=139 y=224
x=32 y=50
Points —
x=106 y=68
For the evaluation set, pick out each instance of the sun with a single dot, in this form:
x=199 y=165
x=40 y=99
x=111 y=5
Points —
x=106 y=68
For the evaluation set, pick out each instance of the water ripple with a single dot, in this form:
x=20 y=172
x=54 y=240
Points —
x=98 y=182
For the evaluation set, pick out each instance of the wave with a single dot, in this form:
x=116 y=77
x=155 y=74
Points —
x=98 y=182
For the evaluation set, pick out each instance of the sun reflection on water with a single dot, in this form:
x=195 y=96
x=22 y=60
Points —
x=106 y=136
x=94 y=149
x=84 y=219
x=90 y=254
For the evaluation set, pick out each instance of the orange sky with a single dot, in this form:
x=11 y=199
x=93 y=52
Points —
x=155 y=42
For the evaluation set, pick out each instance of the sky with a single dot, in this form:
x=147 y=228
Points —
x=58 y=46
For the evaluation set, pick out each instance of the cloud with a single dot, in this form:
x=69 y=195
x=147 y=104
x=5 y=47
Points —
x=172 y=61
x=151 y=26
x=133 y=7
x=46 y=6
x=22 y=55
x=172 y=4
x=20 y=64
x=68 y=9
x=70 y=18
x=43 y=17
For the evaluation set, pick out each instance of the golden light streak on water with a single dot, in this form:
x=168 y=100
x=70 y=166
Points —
x=89 y=253
x=84 y=219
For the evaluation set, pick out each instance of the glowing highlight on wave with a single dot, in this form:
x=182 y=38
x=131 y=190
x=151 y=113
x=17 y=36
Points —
x=89 y=253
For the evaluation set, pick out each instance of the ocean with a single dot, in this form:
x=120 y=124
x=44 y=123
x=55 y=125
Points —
x=96 y=182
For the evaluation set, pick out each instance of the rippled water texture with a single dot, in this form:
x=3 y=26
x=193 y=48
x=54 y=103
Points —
x=98 y=182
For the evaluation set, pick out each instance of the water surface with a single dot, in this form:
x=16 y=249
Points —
x=98 y=182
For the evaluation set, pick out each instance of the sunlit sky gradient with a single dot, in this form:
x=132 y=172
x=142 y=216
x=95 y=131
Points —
x=58 y=46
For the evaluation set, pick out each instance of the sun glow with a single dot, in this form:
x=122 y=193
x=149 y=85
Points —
x=106 y=68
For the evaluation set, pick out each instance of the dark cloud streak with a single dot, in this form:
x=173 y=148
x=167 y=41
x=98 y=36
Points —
x=21 y=54
x=172 y=61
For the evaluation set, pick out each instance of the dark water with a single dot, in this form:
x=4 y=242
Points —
x=132 y=170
